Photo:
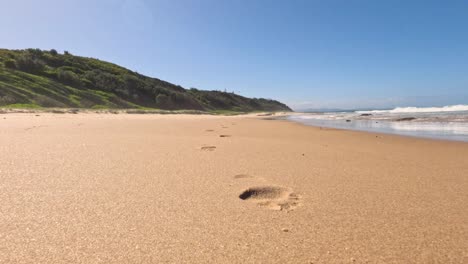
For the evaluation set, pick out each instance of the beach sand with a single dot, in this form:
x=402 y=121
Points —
x=90 y=188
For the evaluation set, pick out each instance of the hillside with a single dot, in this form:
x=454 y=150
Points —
x=36 y=78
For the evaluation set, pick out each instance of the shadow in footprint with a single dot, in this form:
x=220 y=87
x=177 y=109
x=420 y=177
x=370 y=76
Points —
x=224 y=136
x=242 y=176
x=209 y=130
x=208 y=148
x=33 y=127
x=273 y=197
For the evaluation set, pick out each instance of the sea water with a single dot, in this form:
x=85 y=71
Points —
x=448 y=122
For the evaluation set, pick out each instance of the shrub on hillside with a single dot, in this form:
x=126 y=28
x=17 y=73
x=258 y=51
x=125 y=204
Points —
x=35 y=52
x=53 y=52
x=7 y=99
x=104 y=81
x=133 y=83
x=46 y=101
x=29 y=63
x=69 y=77
x=184 y=101
x=10 y=63
x=163 y=101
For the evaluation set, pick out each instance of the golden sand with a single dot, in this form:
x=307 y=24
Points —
x=91 y=188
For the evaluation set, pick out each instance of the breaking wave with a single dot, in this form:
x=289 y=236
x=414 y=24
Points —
x=448 y=108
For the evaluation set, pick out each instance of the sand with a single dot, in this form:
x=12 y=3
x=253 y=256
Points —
x=89 y=188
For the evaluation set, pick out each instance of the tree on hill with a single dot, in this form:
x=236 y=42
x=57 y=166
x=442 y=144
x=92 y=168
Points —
x=28 y=62
x=10 y=63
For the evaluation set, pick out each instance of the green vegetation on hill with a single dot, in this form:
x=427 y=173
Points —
x=35 y=78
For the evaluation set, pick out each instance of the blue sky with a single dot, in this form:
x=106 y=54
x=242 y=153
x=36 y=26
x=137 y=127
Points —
x=309 y=54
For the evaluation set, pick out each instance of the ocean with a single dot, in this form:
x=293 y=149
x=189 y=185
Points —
x=447 y=122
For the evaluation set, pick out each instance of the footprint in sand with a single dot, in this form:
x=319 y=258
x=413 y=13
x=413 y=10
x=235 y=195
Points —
x=33 y=127
x=243 y=176
x=224 y=135
x=208 y=148
x=273 y=197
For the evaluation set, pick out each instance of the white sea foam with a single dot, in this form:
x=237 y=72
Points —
x=448 y=108
x=450 y=122
x=435 y=128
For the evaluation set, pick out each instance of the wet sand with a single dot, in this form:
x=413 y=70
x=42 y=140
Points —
x=89 y=188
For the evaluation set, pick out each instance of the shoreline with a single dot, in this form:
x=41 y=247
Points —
x=377 y=133
x=335 y=124
x=380 y=134
x=232 y=189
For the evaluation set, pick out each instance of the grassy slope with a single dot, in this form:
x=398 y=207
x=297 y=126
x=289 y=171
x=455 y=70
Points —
x=78 y=82
x=28 y=89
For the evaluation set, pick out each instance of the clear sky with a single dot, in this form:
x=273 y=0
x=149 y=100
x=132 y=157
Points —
x=311 y=53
